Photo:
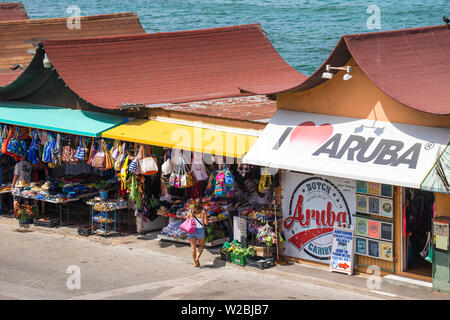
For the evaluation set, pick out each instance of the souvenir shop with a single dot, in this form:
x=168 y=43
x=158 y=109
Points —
x=237 y=198
x=63 y=172
x=337 y=172
x=56 y=173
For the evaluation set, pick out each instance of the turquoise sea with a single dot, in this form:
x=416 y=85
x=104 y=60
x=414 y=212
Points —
x=303 y=31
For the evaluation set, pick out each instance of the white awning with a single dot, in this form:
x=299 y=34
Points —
x=360 y=149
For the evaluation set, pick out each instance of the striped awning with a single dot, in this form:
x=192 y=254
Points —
x=438 y=179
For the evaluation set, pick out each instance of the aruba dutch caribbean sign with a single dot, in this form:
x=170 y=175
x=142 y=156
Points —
x=313 y=206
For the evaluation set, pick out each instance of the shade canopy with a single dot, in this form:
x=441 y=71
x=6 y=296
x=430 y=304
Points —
x=84 y=123
x=228 y=143
x=361 y=149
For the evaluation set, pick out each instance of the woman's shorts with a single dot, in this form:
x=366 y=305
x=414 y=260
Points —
x=199 y=234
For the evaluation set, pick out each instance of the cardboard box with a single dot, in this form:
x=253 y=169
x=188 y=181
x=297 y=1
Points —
x=263 y=251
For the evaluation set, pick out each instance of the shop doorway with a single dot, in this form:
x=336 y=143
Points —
x=418 y=209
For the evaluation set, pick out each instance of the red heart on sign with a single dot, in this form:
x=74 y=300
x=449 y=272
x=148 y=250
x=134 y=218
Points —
x=308 y=134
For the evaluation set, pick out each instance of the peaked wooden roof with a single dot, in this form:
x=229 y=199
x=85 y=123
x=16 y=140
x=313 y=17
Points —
x=412 y=66
x=172 y=67
x=19 y=38
x=12 y=11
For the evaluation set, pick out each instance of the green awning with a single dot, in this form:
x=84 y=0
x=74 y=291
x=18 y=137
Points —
x=438 y=179
x=83 y=123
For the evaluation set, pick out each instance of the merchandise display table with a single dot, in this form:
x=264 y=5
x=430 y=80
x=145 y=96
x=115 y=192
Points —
x=58 y=201
x=106 y=209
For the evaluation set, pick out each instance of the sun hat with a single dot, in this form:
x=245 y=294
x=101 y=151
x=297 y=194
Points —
x=22 y=184
x=33 y=184
x=162 y=210
x=36 y=189
x=46 y=185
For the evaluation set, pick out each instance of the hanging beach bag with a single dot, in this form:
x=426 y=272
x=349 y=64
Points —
x=56 y=152
x=92 y=152
x=33 y=151
x=167 y=166
x=48 y=149
x=134 y=165
x=5 y=142
x=115 y=150
x=148 y=164
x=172 y=179
x=109 y=161
x=123 y=174
x=68 y=154
x=120 y=158
x=99 y=159
x=17 y=146
x=229 y=179
x=81 y=153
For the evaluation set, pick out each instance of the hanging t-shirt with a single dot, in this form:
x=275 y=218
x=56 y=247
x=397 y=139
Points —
x=23 y=169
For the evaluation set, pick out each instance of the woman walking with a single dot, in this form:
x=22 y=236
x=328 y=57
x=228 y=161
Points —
x=201 y=220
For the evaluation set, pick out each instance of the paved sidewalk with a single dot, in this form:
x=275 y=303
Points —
x=303 y=272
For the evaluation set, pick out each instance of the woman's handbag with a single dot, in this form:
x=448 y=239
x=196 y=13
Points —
x=188 y=226
x=147 y=164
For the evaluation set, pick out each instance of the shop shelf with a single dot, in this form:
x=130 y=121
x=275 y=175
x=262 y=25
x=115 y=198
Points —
x=239 y=260
x=260 y=263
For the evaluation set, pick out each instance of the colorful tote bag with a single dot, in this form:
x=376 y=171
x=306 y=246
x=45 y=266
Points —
x=147 y=163
x=81 y=152
x=17 y=146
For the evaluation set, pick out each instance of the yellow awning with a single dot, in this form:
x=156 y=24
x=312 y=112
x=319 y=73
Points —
x=176 y=136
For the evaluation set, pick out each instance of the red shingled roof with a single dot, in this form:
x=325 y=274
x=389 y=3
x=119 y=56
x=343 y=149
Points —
x=12 y=11
x=19 y=38
x=411 y=66
x=171 y=67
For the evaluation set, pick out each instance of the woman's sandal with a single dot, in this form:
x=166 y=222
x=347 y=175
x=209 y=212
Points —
x=197 y=263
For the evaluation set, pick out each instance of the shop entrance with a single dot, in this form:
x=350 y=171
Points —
x=418 y=208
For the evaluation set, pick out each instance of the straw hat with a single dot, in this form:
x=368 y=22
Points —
x=46 y=185
x=162 y=210
x=36 y=189
x=22 y=184
x=33 y=184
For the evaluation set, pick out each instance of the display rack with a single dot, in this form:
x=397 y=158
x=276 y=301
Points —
x=103 y=230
